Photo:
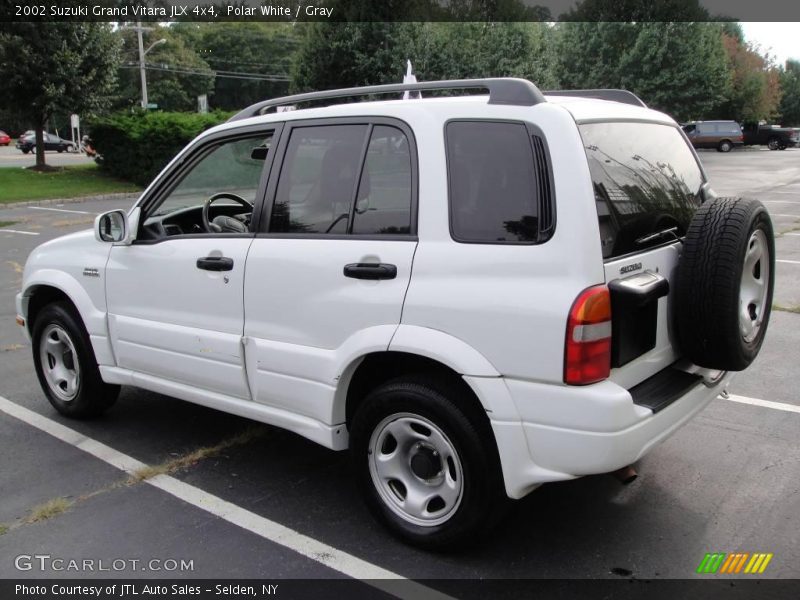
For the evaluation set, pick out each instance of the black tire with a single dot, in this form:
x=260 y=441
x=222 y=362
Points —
x=24 y=151
x=90 y=396
x=482 y=500
x=773 y=143
x=722 y=306
x=60 y=149
x=725 y=146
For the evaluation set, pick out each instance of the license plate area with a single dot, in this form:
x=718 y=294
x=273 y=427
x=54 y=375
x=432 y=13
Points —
x=634 y=315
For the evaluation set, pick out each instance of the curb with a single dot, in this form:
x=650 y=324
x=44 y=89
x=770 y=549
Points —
x=48 y=201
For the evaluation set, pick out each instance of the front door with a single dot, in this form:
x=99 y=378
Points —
x=327 y=276
x=175 y=296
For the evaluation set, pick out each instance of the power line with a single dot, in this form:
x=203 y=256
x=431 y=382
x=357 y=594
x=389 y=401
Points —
x=214 y=74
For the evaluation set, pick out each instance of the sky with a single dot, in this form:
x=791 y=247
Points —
x=782 y=40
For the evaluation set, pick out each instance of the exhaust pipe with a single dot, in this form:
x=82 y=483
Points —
x=625 y=475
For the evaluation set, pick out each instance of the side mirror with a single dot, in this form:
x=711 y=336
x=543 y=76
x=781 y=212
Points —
x=116 y=227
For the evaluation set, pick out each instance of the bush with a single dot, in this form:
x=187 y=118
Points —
x=137 y=146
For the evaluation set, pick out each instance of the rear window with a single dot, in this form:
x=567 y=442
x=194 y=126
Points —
x=645 y=180
x=493 y=182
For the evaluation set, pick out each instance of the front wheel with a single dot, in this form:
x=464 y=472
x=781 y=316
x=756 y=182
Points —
x=66 y=366
x=428 y=469
x=773 y=144
x=725 y=146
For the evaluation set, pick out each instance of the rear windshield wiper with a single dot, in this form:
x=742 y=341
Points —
x=672 y=231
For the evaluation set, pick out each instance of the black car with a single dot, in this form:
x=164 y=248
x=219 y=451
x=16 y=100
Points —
x=27 y=143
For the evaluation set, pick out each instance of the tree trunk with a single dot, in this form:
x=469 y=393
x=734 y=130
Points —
x=40 y=146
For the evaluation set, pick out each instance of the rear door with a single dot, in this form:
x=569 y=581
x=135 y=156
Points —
x=328 y=272
x=647 y=185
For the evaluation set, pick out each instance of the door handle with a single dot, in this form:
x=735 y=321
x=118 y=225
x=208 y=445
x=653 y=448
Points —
x=370 y=271
x=215 y=263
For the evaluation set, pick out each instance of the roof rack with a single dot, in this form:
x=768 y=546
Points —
x=623 y=96
x=502 y=90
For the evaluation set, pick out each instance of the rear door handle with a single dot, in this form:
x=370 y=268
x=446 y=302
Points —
x=215 y=263
x=370 y=271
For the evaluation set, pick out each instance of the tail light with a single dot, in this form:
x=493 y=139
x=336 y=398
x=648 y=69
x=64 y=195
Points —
x=587 y=355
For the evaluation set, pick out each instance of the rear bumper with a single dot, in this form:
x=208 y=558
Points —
x=566 y=432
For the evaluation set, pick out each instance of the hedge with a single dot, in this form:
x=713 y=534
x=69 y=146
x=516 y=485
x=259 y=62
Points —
x=138 y=145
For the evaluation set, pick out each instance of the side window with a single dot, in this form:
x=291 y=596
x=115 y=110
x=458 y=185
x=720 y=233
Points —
x=493 y=182
x=383 y=204
x=318 y=179
x=234 y=167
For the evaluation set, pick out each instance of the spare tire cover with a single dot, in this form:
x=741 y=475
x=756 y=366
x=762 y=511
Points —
x=724 y=284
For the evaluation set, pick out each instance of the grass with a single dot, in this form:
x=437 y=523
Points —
x=187 y=460
x=3 y=528
x=7 y=223
x=48 y=510
x=18 y=185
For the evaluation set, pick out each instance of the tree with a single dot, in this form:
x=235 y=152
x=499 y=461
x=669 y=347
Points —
x=56 y=66
x=255 y=67
x=755 y=89
x=176 y=74
x=679 y=68
x=352 y=54
x=636 y=11
x=790 y=86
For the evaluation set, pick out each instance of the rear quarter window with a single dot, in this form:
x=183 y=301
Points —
x=645 y=180
x=496 y=182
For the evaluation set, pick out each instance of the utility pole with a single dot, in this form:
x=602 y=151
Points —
x=142 y=53
x=141 y=64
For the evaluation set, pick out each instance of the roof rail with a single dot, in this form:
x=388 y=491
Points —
x=623 y=96
x=502 y=90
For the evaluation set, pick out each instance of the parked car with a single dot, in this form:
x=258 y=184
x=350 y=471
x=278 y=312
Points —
x=475 y=296
x=5 y=139
x=27 y=143
x=772 y=136
x=722 y=135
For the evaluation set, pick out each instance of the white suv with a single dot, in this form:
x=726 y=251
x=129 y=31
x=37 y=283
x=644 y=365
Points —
x=474 y=294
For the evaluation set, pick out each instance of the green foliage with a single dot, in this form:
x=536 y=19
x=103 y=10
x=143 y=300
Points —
x=254 y=49
x=64 y=66
x=637 y=11
x=176 y=74
x=137 y=146
x=755 y=82
x=352 y=54
x=790 y=101
x=70 y=182
x=680 y=68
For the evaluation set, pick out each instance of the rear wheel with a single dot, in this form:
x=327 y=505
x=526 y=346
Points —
x=425 y=466
x=773 y=143
x=66 y=366
x=725 y=146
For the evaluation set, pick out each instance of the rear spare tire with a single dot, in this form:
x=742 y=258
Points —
x=724 y=284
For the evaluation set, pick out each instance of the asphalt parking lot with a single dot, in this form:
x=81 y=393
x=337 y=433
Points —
x=242 y=500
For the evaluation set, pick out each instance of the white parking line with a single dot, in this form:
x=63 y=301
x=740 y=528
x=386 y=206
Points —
x=764 y=403
x=65 y=210
x=788 y=262
x=779 y=201
x=791 y=233
x=315 y=550
x=3 y=230
x=784 y=215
